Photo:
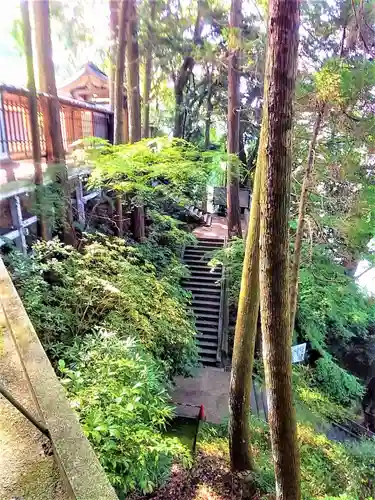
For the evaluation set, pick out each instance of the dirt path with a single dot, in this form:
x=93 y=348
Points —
x=27 y=473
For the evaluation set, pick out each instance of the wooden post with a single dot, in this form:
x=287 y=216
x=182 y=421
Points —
x=17 y=221
x=80 y=202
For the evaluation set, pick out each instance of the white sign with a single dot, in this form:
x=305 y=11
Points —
x=298 y=353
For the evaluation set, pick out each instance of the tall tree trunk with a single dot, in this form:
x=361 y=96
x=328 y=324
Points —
x=209 y=109
x=233 y=186
x=179 y=86
x=148 y=71
x=119 y=75
x=246 y=330
x=301 y=218
x=283 y=26
x=244 y=342
x=34 y=122
x=119 y=129
x=184 y=75
x=114 y=27
x=47 y=83
x=132 y=72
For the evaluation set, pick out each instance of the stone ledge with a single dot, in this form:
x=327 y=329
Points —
x=80 y=469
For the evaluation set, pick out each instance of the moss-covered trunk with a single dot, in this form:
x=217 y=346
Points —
x=283 y=26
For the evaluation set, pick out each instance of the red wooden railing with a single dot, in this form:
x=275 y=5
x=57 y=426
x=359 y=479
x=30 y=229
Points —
x=78 y=120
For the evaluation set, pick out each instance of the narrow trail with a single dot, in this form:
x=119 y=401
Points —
x=27 y=473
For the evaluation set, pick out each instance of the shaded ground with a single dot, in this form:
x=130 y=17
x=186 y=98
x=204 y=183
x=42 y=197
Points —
x=209 y=479
x=27 y=473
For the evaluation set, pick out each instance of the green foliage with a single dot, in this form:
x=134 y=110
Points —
x=168 y=168
x=231 y=257
x=329 y=469
x=109 y=284
x=119 y=393
x=332 y=311
x=336 y=382
x=344 y=82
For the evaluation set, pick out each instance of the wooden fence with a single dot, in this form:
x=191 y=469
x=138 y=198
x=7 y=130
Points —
x=78 y=120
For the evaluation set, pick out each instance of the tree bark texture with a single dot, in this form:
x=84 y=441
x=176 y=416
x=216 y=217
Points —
x=113 y=27
x=301 y=218
x=119 y=99
x=34 y=122
x=283 y=25
x=132 y=74
x=184 y=74
x=134 y=104
x=47 y=83
x=179 y=86
x=233 y=185
x=119 y=75
x=244 y=342
x=47 y=80
x=148 y=71
x=209 y=109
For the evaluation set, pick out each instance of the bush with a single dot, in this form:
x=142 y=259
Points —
x=108 y=284
x=119 y=393
x=328 y=469
x=333 y=314
x=337 y=383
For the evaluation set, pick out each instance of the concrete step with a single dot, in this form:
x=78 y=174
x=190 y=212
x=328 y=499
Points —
x=207 y=323
x=201 y=310
x=206 y=303
x=207 y=247
x=196 y=258
x=207 y=338
x=207 y=361
x=205 y=273
x=202 y=278
x=214 y=241
x=196 y=251
x=211 y=353
x=199 y=294
x=210 y=317
x=203 y=266
x=208 y=330
x=206 y=344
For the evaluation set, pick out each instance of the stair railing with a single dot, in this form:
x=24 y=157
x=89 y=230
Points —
x=222 y=344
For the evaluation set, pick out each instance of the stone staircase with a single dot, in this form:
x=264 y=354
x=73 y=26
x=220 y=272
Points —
x=205 y=287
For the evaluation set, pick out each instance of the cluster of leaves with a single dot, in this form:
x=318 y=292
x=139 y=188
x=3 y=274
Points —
x=119 y=393
x=332 y=312
x=151 y=168
x=329 y=469
x=109 y=284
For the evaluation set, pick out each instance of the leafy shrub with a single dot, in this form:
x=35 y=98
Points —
x=169 y=168
x=333 y=314
x=340 y=385
x=328 y=469
x=108 y=284
x=118 y=391
x=231 y=257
